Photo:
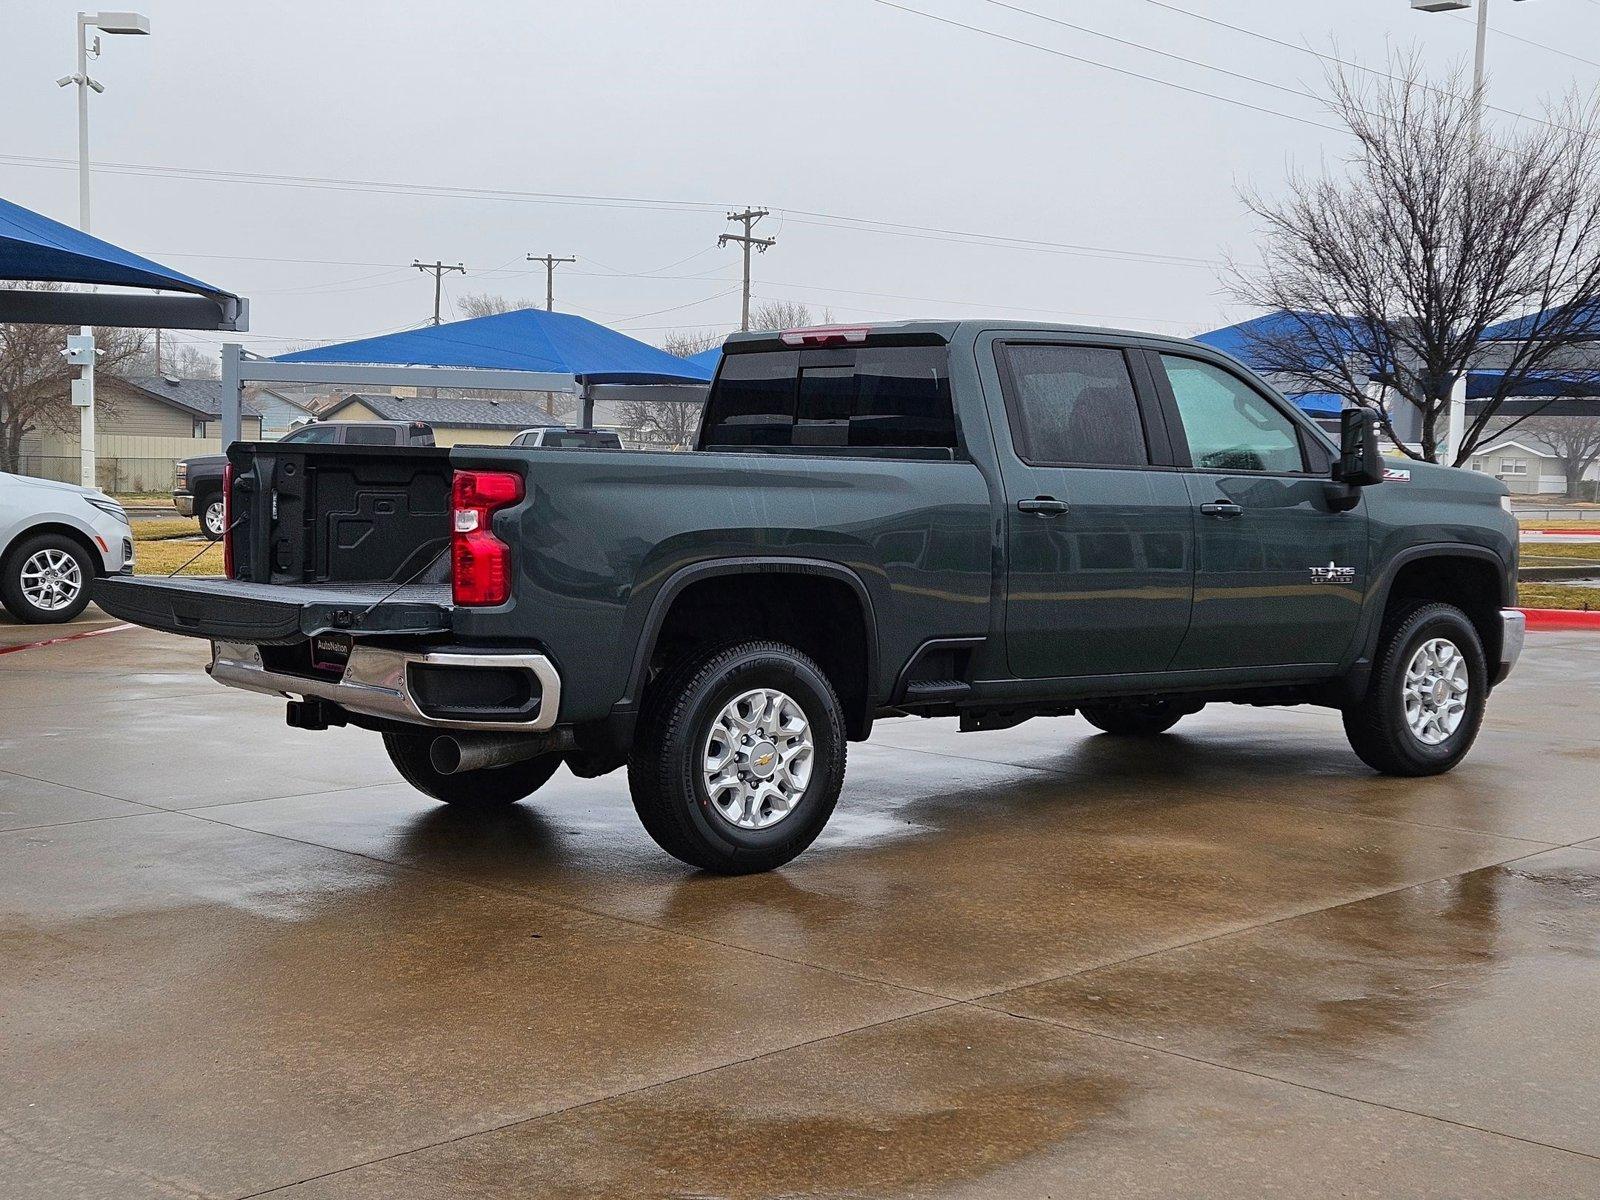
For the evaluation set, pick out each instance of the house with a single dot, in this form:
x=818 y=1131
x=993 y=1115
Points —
x=143 y=425
x=456 y=420
x=1526 y=464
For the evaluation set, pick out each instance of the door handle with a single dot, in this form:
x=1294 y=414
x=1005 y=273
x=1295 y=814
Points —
x=1044 y=506
x=1222 y=508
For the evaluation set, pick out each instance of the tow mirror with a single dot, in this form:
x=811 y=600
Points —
x=1360 y=457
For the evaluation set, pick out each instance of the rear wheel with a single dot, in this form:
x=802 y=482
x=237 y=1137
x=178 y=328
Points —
x=213 y=519
x=1425 y=700
x=1143 y=719
x=490 y=787
x=45 y=579
x=739 y=758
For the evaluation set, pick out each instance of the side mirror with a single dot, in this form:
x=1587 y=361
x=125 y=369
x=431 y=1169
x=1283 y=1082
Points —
x=1360 y=456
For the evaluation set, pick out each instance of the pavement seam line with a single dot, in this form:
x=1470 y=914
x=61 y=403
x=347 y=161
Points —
x=1240 y=931
x=1293 y=1083
x=580 y=1105
x=995 y=762
x=554 y=901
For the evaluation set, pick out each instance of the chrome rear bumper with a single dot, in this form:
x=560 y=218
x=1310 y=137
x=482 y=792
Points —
x=377 y=683
x=1513 y=631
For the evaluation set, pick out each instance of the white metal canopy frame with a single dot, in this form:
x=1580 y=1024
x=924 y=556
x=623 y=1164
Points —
x=239 y=368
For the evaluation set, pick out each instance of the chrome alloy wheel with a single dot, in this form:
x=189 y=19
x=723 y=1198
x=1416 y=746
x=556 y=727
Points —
x=51 y=579
x=214 y=518
x=758 y=758
x=1436 y=686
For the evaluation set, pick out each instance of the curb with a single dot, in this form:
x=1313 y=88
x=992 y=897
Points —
x=1591 y=534
x=1561 y=618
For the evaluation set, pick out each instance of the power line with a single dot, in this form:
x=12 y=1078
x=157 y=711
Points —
x=1530 y=42
x=439 y=270
x=549 y=261
x=747 y=240
x=1078 y=58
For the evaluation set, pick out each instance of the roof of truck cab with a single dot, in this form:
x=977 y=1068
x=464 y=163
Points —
x=949 y=330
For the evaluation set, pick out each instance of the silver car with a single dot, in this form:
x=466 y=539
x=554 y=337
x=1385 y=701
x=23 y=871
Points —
x=55 y=538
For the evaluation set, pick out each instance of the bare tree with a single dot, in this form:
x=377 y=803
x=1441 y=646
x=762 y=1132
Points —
x=488 y=304
x=786 y=314
x=1390 y=270
x=35 y=380
x=182 y=360
x=686 y=343
x=671 y=423
x=1575 y=441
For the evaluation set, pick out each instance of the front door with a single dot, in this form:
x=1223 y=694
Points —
x=1279 y=571
x=1098 y=545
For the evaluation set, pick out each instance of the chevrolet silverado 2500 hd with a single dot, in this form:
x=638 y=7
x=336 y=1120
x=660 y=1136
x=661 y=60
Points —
x=969 y=519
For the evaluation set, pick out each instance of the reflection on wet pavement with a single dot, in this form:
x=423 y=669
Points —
x=1228 y=961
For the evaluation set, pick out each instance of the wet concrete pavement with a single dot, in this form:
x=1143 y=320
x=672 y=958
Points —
x=236 y=958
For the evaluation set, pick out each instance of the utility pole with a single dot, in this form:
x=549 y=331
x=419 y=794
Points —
x=748 y=218
x=549 y=261
x=80 y=351
x=439 y=272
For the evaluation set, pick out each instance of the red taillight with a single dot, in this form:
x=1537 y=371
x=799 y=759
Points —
x=227 y=519
x=480 y=563
x=825 y=335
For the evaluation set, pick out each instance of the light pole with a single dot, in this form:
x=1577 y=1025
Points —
x=82 y=355
x=1456 y=414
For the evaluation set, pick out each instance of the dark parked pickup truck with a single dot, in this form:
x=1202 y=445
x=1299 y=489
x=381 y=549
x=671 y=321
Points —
x=197 y=482
x=985 y=521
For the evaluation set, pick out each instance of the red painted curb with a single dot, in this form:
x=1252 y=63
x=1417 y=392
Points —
x=1583 y=533
x=71 y=637
x=1561 y=618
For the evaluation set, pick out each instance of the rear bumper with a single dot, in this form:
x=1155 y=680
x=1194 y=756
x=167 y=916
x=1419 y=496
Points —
x=1513 y=631
x=377 y=683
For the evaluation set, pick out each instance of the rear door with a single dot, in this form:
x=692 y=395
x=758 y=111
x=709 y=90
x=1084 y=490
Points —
x=1279 y=572
x=1098 y=534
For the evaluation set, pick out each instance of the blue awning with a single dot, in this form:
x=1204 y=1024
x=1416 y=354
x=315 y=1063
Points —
x=709 y=359
x=36 y=249
x=529 y=339
x=1243 y=340
x=1319 y=404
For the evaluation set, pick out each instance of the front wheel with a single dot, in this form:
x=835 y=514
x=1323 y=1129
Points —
x=45 y=579
x=487 y=788
x=213 y=517
x=739 y=758
x=1425 y=700
x=1143 y=719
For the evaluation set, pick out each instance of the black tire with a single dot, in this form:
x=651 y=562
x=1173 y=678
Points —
x=1144 y=719
x=489 y=788
x=665 y=768
x=208 y=508
x=1378 y=727
x=25 y=554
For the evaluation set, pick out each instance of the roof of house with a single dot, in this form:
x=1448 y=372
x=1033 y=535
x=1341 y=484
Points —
x=1522 y=441
x=459 y=411
x=201 y=397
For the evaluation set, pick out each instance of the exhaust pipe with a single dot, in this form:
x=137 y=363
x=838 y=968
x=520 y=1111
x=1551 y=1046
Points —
x=453 y=753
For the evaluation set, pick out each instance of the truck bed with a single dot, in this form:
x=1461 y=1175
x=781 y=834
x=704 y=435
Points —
x=273 y=614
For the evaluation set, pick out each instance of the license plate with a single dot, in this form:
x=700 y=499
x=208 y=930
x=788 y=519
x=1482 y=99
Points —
x=330 y=651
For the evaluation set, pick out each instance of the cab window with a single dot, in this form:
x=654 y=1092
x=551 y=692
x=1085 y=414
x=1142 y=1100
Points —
x=1073 y=405
x=1229 y=425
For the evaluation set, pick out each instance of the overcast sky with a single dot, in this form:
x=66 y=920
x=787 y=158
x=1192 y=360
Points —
x=480 y=132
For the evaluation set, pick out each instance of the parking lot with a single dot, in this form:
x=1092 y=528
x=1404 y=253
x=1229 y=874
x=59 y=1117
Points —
x=1227 y=962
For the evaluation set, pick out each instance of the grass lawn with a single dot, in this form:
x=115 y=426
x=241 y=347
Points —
x=1536 y=523
x=163 y=557
x=165 y=527
x=1557 y=595
x=1558 y=553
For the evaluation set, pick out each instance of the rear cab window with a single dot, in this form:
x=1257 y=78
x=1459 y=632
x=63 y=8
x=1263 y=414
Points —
x=1071 y=405
x=834 y=400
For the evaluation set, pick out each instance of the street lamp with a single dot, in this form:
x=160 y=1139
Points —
x=83 y=359
x=1456 y=414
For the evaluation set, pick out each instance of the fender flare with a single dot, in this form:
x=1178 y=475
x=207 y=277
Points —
x=1378 y=601
x=696 y=572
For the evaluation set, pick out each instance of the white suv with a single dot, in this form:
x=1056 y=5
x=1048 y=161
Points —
x=55 y=538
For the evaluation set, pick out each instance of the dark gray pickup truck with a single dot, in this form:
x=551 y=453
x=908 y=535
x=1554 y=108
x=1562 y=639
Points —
x=976 y=520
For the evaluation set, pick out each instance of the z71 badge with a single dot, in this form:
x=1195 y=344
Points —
x=1396 y=475
x=1333 y=573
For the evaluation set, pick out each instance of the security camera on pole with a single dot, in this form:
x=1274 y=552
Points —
x=80 y=351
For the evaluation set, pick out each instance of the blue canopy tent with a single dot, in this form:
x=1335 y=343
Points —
x=709 y=359
x=1242 y=341
x=526 y=350
x=36 y=249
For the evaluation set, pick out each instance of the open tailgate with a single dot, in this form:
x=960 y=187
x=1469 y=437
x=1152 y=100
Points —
x=235 y=610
